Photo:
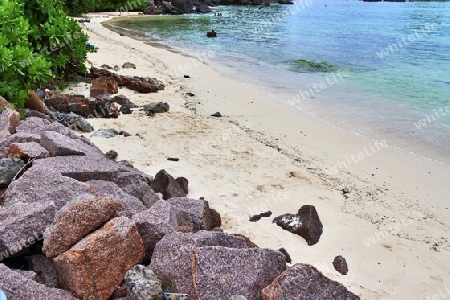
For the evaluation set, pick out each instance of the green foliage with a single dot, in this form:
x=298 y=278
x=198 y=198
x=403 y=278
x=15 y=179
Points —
x=38 y=42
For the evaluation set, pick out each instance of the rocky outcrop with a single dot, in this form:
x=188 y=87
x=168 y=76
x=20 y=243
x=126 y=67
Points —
x=97 y=264
x=221 y=272
x=17 y=286
x=303 y=281
x=139 y=84
x=104 y=85
x=142 y=283
x=184 y=6
x=77 y=219
x=172 y=258
x=305 y=223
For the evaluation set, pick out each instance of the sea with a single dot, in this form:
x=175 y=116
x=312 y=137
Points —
x=376 y=69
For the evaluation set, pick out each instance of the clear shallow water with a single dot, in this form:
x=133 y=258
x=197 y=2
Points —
x=396 y=56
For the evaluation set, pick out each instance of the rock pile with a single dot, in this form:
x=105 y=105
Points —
x=80 y=225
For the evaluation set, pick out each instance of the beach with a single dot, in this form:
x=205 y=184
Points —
x=384 y=210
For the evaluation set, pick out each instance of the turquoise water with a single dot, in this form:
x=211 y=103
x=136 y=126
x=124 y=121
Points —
x=396 y=58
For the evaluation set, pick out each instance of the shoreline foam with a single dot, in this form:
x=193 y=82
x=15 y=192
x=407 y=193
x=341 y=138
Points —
x=261 y=156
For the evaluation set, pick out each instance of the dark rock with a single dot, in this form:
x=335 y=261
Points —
x=17 y=286
x=105 y=133
x=142 y=283
x=172 y=258
x=123 y=100
x=72 y=120
x=107 y=67
x=106 y=110
x=285 y=2
x=137 y=184
x=303 y=281
x=126 y=109
x=165 y=184
x=259 y=216
x=77 y=219
x=211 y=34
x=190 y=94
x=97 y=264
x=111 y=154
x=104 y=85
x=44 y=269
x=187 y=76
x=182 y=5
x=195 y=213
x=340 y=265
x=173 y=159
x=157 y=107
x=154 y=223
x=26 y=151
x=59 y=145
x=128 y=65
x=124 y=133
x=286 y=255
x=305 y=223
x=9 y=167
x=22 y=225
x=217 y=115
x=184 y=183
x=220 y=272
x=202 y=8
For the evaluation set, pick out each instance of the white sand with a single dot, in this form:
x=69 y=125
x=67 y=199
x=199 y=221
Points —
x=229 y=162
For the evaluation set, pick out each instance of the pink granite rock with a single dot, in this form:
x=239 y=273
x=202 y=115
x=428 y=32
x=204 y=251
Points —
x=108 y=189
x=77 y=219
x=41 y=184
x=9 y=121
x=303 y=281
x=97 y=264
x=17 y=286
x=154 y=223
x=172 y=258
x=27 y=150
x=220 y=272
x=60 y=145
x=195 y=213
x=22 y=225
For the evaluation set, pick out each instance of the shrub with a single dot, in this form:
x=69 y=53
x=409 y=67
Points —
x=38 y=42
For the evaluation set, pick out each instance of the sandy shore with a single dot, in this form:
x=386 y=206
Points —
x=391 y=223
